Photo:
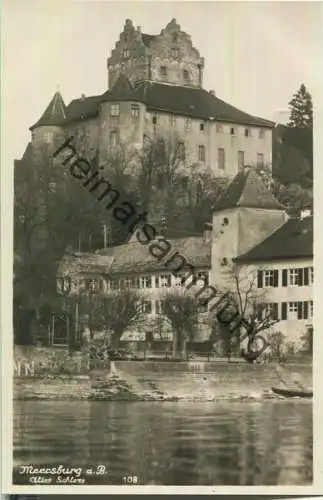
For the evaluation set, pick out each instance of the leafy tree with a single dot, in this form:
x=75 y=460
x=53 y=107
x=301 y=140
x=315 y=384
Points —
x=301 y=109
x=181 y=309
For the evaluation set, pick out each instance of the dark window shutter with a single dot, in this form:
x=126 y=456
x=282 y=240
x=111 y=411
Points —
x=275 y=310
x=300 y=277
x=300 y=310
x=306 y=278
x=259 y=311
x=284 y=277
x=276 y=277
x=284 y=309
x=305 y=306
x=260 y=279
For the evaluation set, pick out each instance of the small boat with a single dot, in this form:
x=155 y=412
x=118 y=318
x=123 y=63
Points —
x=292 y=393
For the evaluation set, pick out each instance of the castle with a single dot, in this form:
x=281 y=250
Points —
x=155 y=87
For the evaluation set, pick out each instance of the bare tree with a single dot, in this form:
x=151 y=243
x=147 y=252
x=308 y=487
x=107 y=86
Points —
x=244 y=313
x=181 y=309
x=121 y=309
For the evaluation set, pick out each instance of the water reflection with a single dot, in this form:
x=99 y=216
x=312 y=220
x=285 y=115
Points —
x=171 y=443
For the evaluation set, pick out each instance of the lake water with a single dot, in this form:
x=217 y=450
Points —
x=169 y=443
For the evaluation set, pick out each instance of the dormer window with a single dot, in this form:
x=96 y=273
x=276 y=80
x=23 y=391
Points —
x=114 y=110
x=186 y=75
x=163 y=71
x=175 y=53
x=126 y=53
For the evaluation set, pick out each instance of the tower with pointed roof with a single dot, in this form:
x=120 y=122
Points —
x=51 y=121
x=247 y=214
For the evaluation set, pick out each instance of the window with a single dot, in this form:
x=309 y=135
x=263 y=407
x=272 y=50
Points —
x=312 y=275
x=145 y=281
x=201 y=153
x=269 y=311
x=260 y=160
x=181 y=151
x=48 y=137
x=175 y=53
x=296 y=277
x=164 y=280
x=163 y=71
x=232 y=131
x=126 y=53
x=185 y=75
x=267 y=278
x=221 y=159
x=175 y=37
x=240 y=160
x=201 y=127
x=145 y=306
x=292 y=310
x=128 y=282
x=114 y=138
x=247 y=132
x=188 y=123
x=154 y=119
x=261 y=133
x=219 y=128
x=135 y=110
x=172 y=120
x=293 y=277
x=178 y=280
x=114 y=110
x=91 y=284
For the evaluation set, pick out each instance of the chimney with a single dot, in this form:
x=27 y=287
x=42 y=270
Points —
x=139 y=29
x=207 y=234
x=82 y=97
x=212 y=92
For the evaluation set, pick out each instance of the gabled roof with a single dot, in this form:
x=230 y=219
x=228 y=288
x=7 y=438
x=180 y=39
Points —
x=248 y=190
x=293 y=240
x=132 y=258
x=54 y=114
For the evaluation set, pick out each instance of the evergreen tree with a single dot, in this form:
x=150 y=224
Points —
x=301 y=109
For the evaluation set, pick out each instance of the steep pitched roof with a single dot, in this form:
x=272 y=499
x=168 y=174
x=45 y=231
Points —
x=248 y=190
x=147 y=39
x=291 y=241
x=54 y=114
x=122 y=90
x=83 y=108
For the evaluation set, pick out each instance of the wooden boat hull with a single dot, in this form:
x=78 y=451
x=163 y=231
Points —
x=291 y=393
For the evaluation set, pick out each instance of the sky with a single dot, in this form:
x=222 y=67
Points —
x=256 y=53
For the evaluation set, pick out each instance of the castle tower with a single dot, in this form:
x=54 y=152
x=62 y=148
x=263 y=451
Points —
x=50 y=123
x=167 y=58
x=247 y=214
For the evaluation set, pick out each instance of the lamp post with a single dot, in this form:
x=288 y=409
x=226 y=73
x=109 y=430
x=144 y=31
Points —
x=92 y=289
